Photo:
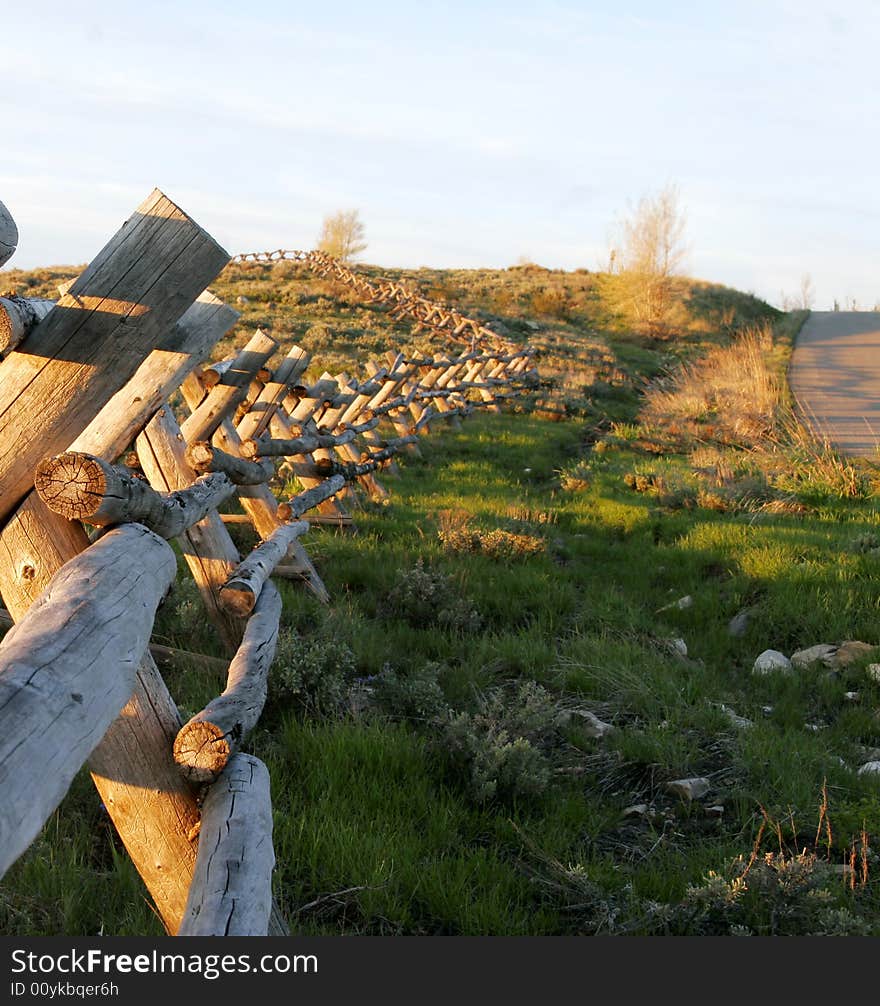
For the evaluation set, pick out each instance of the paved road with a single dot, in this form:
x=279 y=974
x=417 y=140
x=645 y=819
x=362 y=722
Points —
x=835 y=377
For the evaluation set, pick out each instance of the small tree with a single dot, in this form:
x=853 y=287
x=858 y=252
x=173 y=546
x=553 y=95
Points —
x=807 y=293
x=652 y=252
x=342 y=235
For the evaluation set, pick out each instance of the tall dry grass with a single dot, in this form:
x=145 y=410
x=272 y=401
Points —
x=730 y=396
x=736 y=397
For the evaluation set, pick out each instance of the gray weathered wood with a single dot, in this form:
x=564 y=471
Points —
x=230 y=391
x=240 y=592
x=97 y=335
x=207 y=742
x=261 y=506
x=131 y=408
x=231 y=892
x=207 y=547
x=8 y=235
x=296 y=506
x=83 y=487
x=18 y=316
x=291 y=368
x=204 y=457
x=67 y=669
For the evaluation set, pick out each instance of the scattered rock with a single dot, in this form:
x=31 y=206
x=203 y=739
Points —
x=851 y=651
x=869 y=754
x=869 y=768
x=533 y=325
x=767 y=710
x=738 y=721
x=770 y=661
x=682 y=604
x=814 y=727
x=637 y=810
x=831 y=655
x=587 y=721
x=241 y=299
x=851 y=696
x=873 y=672
x=677 y=647
x=689 y=789
x=821 y=653
x=739 y=624
x=716 y=811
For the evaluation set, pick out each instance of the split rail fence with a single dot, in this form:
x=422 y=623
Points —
x=85 y=383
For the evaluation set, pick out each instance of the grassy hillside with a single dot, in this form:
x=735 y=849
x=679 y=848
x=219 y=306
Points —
x=437 y=736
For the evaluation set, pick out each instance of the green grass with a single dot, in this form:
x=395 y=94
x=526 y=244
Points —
x=379 y=826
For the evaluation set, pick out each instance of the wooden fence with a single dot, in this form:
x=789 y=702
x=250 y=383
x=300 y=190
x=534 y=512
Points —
x=83 y=380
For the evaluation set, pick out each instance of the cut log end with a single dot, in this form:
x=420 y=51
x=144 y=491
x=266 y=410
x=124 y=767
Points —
x=237 y=599
x=200 y=455
x=72 y=485
x=201 y=751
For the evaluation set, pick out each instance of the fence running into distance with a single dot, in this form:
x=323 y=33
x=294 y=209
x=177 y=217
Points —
x=84 y=378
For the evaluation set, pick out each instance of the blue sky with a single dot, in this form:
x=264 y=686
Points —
x=467 y=134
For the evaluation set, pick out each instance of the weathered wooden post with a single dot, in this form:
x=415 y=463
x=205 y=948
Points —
x=231 y=893
x=160 y=259
x=8 y=235
x=66 y=670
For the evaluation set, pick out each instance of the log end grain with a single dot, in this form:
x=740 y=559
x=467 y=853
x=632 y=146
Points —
x=237 y=599
x=201 y=751
x=71 y=484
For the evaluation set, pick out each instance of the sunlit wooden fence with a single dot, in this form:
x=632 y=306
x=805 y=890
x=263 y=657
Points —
x=86 y=381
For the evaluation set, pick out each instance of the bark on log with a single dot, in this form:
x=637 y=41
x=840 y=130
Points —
x=207 y=742
x=223 y=398
x=66 y=670
x=83 y=487
x=231 y=892
x=203 y=457
x=97 y=336
x=239 y=594
x=299 y=504
x=8 y=235
x=18 y=316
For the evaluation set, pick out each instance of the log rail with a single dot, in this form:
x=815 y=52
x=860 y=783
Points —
x=192 y=809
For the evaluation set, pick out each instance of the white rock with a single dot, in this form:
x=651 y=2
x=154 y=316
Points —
x=821 y=653
x=682 y=604
x=851 y=696
x=678 y=647
x=738 y=721
x=869 y=768
x=8 y=235
x=739 y=624
x=689 y=789
x=770 y=661
x=637 y=810
x=590 y=723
